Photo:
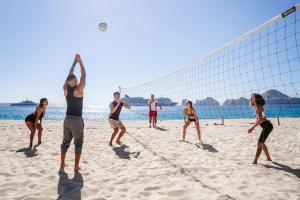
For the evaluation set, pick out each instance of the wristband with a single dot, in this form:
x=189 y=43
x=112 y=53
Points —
x=74 y=64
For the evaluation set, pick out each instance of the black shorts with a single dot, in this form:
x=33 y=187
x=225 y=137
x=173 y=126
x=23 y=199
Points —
x=267 y=128
x=30 y=118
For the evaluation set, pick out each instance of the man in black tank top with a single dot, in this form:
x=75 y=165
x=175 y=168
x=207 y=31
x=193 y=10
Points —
x=114 y=120
x=73 y=123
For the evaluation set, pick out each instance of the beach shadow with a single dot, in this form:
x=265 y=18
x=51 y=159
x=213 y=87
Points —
x=161 y=129
x=69 y=188
x=208 y=147
x=120 y=151
x=29 y=152
x=284 y=168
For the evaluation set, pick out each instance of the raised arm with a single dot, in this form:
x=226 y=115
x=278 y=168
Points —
x=70 y=72
x=83 y=74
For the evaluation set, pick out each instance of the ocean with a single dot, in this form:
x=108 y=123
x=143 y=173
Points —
x=140 y=113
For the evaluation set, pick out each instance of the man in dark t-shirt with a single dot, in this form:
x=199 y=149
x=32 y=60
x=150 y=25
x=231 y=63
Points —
x=114 y=118
x=73 y=123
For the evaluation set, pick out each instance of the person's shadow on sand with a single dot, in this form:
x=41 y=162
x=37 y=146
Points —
x=208 y=147
x=29 y=152
x=69 y=189
x=120 y=151
x=284 y=168
x=161 y=129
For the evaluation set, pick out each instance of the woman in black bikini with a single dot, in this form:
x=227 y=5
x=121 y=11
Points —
x=258 y=102
x=34 y=121
x=190 y=115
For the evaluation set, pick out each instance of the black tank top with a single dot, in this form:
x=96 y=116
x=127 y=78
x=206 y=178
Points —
x=74 y=104
x=116 y=114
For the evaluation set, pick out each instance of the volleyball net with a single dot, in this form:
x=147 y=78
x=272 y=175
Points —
x=265 y=60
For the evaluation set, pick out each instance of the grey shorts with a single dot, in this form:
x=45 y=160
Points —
x=115 y=123
x=73 y=128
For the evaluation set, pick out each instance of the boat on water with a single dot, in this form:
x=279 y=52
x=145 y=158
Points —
x=25 y=103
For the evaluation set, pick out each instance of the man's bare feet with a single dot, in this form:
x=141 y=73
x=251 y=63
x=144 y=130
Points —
x=63 y=165
x=39 y=143
x=77 y=168
x=254 y=162
x=119 y=142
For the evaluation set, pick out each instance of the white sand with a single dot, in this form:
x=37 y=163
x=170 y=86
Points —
x=165 y=168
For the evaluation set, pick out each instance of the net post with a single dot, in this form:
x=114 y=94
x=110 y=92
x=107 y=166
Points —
x=120 y=89
x=222 y=120
x=278 y=121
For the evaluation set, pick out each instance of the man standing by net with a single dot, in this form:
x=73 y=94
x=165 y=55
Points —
x=73 y=124
x=153 y=104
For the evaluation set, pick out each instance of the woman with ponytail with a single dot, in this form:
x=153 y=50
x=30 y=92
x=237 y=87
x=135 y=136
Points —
x=34 y=121
x=258 y=102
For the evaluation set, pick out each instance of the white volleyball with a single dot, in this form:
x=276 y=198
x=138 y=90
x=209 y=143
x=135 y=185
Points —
x=102 y=26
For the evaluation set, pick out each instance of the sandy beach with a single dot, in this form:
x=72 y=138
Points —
x=154 y=165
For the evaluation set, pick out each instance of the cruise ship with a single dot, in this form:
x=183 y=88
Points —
x=140 y=101
x=24 y=103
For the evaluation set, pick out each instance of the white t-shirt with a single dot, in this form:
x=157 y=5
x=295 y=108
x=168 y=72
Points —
x=153 y=105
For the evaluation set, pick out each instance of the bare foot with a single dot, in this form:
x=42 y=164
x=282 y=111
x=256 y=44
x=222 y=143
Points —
x=77 y=168
x=110 y=144
x=254 y=162
x=63 y=165
x=150 y=126
x=119 y=142
x=39 y=143
x=269 y=159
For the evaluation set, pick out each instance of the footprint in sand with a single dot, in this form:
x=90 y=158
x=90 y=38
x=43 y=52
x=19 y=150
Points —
x=149 y=188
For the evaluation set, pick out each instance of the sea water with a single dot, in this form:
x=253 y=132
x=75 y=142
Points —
x=140 y=113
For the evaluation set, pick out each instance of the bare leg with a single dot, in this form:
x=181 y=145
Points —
x=150 y=120
x=184 y=129
x=154 y=121
x=113 y=136
x=62 y=159
x=32 y=132
x=123 y=130
x=265 y=149
x=77 y=160
x=198 y=130
x=40 y=130
x=258 y=152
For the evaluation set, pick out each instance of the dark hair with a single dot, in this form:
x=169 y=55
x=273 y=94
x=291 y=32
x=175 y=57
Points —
x=259 y=99
x=116 y=93
x=191 y=104
x=71 y=77
x=42 y=100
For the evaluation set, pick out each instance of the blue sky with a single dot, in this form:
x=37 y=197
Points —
x=145 y=40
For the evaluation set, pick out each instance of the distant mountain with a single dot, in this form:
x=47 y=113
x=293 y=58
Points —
x=271 y=96
x=209 y=101
x=236 y=102
x=276 y=97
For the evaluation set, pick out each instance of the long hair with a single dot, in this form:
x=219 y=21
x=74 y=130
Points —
x=42 y=100
x=259 y=99
x=191 y=104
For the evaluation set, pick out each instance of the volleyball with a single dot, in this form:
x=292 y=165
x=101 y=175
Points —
x=102 y=27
